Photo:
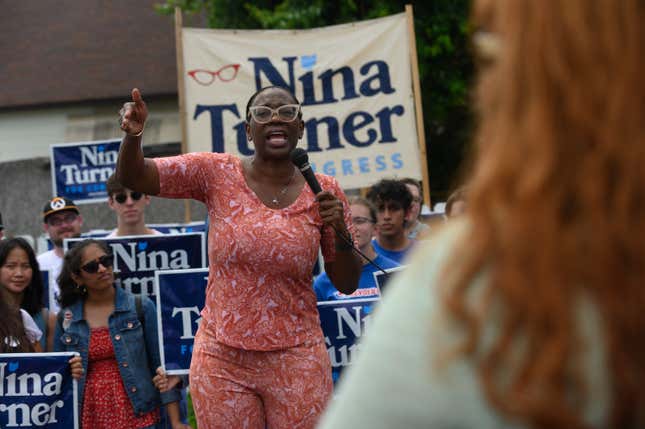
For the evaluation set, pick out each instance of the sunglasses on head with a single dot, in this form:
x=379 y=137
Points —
x=92 y=267
x=123 y=197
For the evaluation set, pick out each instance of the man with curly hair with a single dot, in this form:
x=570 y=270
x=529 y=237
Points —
x=392 y=199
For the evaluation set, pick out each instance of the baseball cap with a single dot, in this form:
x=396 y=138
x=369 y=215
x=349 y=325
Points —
x=58 y=204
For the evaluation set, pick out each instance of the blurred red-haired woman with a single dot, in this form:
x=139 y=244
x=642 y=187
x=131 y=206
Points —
x=538 y=320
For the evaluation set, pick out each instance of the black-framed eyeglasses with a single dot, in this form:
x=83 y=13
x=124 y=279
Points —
x=360 y=220
x=123 y=197
x=92 y=267
x=264 y=114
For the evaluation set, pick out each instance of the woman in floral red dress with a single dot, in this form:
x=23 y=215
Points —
x=118 y=348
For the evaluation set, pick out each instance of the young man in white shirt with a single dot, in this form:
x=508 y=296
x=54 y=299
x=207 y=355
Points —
x=129 y=207
x=61 y=220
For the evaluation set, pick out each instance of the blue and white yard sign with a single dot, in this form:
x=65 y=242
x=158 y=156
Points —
x=45 y=298
x=80 y=170
x=37 y=391
x=382 y=279
x=172 y=228
x=180 y=299
x=343 y=324
x=137 y=257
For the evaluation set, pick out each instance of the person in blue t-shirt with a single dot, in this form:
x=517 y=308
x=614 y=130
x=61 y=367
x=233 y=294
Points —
x=392 y=200
x=364 y=220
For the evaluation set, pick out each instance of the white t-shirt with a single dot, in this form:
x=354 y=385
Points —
x=53 y=263
x=113 y=234
x=32 y=331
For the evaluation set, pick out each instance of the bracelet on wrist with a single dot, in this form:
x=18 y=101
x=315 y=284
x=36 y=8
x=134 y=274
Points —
x=139 y=133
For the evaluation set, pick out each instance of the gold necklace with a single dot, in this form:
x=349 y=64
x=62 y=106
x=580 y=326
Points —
x=275 y=200
x=283 y=191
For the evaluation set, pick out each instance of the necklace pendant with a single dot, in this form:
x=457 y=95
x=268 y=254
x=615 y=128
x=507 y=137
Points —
x=275 y=201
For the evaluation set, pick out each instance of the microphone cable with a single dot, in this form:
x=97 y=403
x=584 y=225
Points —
x=300 y=159
x=349 y=242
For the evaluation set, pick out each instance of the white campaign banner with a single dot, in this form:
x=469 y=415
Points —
x=353 y=80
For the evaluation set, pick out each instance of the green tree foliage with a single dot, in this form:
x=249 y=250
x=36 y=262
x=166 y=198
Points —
x=445 y=64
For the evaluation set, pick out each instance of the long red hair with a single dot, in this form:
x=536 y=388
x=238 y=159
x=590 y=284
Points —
x=557 y=206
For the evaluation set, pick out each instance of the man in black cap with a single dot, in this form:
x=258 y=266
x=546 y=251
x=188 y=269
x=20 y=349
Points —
x=61 y=220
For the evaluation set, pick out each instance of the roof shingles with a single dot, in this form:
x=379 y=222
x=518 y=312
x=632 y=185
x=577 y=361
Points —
x=80 y=50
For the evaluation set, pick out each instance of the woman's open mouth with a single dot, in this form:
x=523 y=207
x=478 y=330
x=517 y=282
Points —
x=276 y=138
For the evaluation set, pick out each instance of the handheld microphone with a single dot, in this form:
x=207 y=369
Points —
x=300 y=159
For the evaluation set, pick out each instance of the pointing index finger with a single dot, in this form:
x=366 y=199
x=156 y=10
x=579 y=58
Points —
x=136 y=96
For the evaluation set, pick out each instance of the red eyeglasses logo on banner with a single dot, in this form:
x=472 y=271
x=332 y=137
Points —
x=207 y=77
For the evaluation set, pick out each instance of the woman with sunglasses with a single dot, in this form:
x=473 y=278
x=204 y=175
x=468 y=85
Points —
x=117 y=342
x=259 y=357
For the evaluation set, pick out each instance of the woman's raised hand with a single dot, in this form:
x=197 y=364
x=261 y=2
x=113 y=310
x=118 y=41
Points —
x=133 y=115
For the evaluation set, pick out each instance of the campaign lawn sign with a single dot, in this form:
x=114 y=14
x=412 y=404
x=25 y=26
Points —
x=37 y=391
x=164 y=228
x=343 y=323
x=172 y=228
x=79 y=170
x=137 y=257
x=382 y=279
x=180 y=299
x=45 y=299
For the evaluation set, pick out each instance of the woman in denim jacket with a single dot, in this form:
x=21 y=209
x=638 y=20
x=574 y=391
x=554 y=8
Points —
x=119 y=349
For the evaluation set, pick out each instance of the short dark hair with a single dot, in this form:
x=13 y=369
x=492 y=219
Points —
x=113 y=186
x=413 y=182
x=390 y=190
x=261 y=90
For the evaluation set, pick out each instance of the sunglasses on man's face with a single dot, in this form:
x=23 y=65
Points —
x=123 y=197
x=92 y=267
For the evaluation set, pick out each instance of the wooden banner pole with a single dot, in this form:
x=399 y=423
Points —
x=179 y=49
x=418 y=107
